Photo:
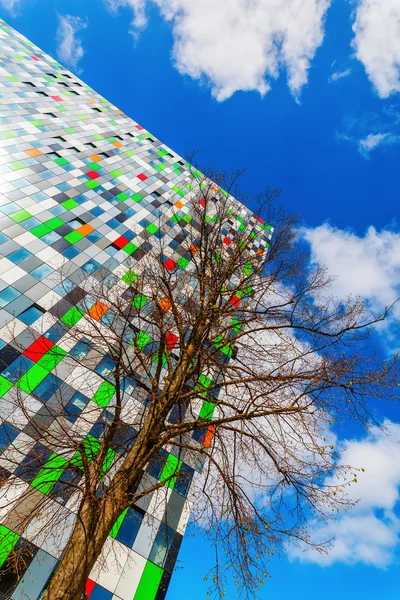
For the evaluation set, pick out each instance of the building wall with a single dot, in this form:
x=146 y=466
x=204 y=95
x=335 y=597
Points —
x=83 y=188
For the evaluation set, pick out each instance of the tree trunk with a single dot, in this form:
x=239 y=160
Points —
x=95 y=520
x=83 y=549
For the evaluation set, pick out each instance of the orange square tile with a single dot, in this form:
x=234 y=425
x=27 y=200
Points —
x=119 y=111
x=96 y=158
x=209 y=436
x=193 y=249
x=91 y=100
x=260 y=252
x=98 y=310
x=117 y=144
x=85 y=229
x=34 y=152
x=179 y=204
x=165 y=304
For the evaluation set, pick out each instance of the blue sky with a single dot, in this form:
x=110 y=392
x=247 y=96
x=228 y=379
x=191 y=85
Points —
x=305 y=94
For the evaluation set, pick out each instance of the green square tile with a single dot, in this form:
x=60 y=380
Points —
x=104 y=394
x=40 y=230
x=52 y=224
x=183 y=262
x=130 y=248
x=8 y=540
x=72 y=317
x=5 y=385
x=20 y=215
x=16 y=165
x=116 y=173
x=137 y=197
x=139 y=301
x=152 y=228
x=142 y=339
x=69 y=204
x=32 y=378
x=130 y=277
x=93 y=166
x=149 y=582
x=92 y=184
x=8 y=134
x=61 y=161
x=52 y=358
x=73 y=237
x=122 y=196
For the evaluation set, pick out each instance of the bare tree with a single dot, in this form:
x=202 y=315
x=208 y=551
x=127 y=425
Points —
x=235 y=358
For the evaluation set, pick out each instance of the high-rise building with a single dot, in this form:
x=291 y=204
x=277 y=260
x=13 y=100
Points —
x=83 y=188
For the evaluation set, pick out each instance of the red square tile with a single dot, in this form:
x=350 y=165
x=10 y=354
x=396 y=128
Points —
x=56 y=98
x=235 y=301
x=202 y=202
x=142 y=177
x=121 y=241
x=171 y=340
x=89 y=587
x=169 y=264
x=38 y=348
x=139 y=127
x=227 y=241
x=93 y=174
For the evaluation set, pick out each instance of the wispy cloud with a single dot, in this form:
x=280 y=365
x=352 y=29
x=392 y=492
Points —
x=377 y=43
x=240 y=45
x=69 y=47
x=10 y=5
x=372 y=131
x=369 y=533
x=339 y=75
x=139 y=19
x=373 y=140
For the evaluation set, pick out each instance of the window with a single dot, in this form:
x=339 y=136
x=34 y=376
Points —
x=49 y=386
x=80 y=351
x=19 y=255
x=161 y=545
x=32 y=314
x=130 y=526
x=75 y=406
x=8 y=295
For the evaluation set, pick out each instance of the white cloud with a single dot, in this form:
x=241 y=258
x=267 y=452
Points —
x=370 y=532
x=339 y=75
x=240 y=44
x=367 y=266
x=377 y=43
x=9 y=5
x=69 y=49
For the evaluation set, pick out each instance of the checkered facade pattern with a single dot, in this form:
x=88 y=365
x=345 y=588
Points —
x=83 y=190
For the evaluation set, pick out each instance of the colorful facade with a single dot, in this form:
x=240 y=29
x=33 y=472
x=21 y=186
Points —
x=83 y=188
